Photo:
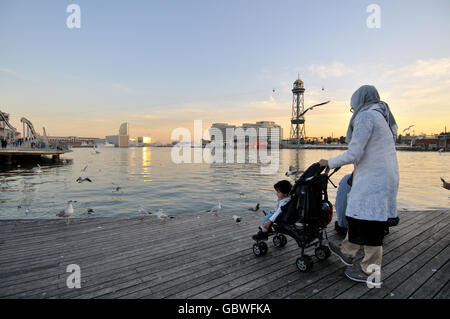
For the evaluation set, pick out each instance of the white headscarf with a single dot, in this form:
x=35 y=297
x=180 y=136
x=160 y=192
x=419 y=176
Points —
x=365 y=98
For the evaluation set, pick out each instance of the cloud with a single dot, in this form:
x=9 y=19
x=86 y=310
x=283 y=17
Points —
x=13 y=73
x=421 y=69
x=335 y=70
x=121 y=88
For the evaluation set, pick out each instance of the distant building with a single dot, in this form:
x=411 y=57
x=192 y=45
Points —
x=121 y=140
x=271 y=128
x=444 y=141
x=73 y=140
x=143 y=141
x=222 y=127
x=113 y=139
x=124 y=135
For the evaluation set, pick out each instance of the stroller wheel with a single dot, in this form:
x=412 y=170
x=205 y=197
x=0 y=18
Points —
x=279 y=241
x=304 y=264
x=283 y=240
x=322 y=252
x=260 y=249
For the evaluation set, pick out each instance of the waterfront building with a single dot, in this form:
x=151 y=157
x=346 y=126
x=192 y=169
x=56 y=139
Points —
x=121 y=140
x=113 y=139
x=124 y=135
x=271 y=127
x=222 y=127
x=444 y=141
x=144 y=141
x=73 y=141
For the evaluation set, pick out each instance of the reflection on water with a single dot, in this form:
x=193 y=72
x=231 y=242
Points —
x=148 y=177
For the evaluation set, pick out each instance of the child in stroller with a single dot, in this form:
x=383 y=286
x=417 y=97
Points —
x=283 y=188
x=308 y=206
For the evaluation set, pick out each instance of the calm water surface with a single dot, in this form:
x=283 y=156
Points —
x=149 y=178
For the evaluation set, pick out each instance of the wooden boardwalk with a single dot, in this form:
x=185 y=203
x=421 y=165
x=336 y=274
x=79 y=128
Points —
x=203 y=256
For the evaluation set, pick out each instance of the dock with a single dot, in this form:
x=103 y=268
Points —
x=9 y=156
x=205 y=256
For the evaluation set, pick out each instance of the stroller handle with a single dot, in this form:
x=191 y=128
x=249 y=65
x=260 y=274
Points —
x=335 y=170
x=328 y=177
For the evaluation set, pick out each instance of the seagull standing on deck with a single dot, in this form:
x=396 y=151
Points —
x=67 y=212
x=161 y=215
x=237 y=219
x=143 y=212
x=216 y=209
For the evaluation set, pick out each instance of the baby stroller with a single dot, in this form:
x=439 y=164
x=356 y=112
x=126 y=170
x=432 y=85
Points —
x=304 y=218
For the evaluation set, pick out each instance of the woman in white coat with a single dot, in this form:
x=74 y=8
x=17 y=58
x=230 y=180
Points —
x=371 y=139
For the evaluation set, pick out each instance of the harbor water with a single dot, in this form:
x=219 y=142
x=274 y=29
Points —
x=149 y=178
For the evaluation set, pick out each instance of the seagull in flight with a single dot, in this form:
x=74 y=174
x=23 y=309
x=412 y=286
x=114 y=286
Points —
x=254 y=209
x=312 y=108
x=81 y=180
x=408 y=128
x=293 y=171
x=67 y=212
x=216 y=209
x=84 y=168
x=118 y=188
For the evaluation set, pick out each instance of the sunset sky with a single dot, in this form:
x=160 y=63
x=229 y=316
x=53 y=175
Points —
x=160 y=65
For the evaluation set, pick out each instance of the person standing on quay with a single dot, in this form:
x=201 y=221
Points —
x=371 y=136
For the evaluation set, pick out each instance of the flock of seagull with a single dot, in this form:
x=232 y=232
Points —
x=69 y=210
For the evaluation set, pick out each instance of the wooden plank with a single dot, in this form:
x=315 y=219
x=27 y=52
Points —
x=238 y=290
x=392 y=249
x=435 y=284
x=177 y=253
x=408 y=252
x=296 y=284
x=184 y=258
x=154 y=237
x=444 y=293
x=156 y=267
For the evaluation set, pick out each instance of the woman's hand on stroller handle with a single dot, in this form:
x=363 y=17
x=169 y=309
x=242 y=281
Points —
x=323 y=163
